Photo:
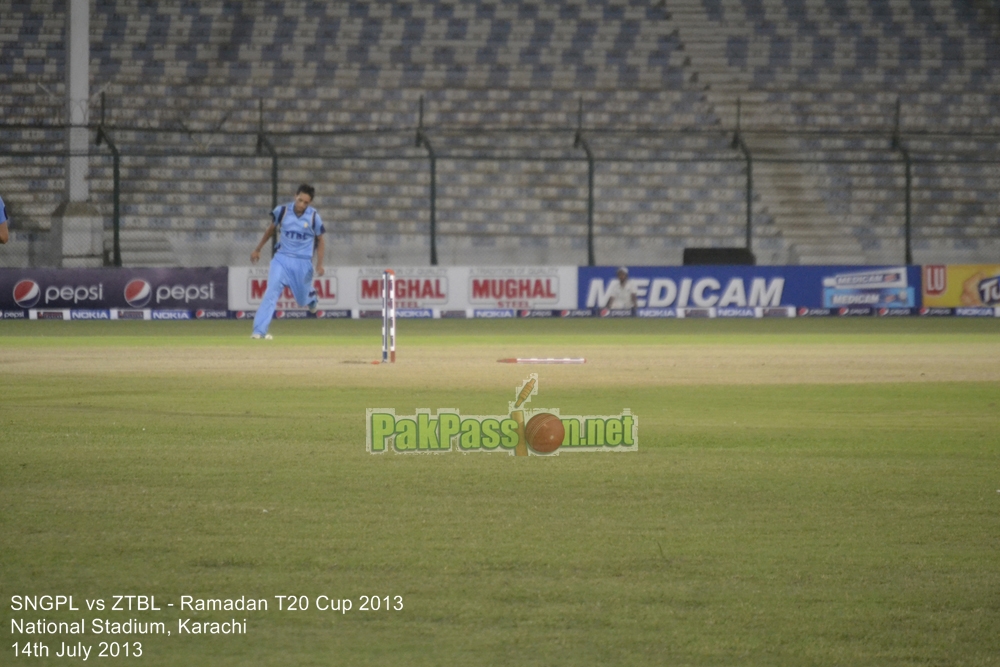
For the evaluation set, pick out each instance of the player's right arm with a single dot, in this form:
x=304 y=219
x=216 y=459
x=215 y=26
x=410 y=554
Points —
x=268 y=233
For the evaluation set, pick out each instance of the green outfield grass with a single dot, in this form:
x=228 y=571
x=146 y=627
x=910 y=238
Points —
x=814 y=515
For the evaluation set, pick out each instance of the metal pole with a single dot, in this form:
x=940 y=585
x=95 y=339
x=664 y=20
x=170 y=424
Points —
x=274 y=178
x=908 y=225
x=739 y=143
x=897 y=145
x=423 y=141
x=590 y=205
x=102 y=135
x=433 y=221
x=579 y=141
x=749 y=241
x=263 y=143
x=116 y=208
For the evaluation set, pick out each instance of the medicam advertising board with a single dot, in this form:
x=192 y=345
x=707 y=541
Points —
x=753 y=291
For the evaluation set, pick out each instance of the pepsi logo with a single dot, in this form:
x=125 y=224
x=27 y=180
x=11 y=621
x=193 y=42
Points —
x=138 y=292
x=27 y=293
x=202 y=314
x=803 y=311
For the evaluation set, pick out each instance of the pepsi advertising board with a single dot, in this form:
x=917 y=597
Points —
x=733 y=290
x=103 y=289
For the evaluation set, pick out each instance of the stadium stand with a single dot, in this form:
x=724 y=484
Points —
x=802 y=68
x=337 y=88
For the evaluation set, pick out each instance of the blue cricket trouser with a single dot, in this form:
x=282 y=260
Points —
x=291 y=272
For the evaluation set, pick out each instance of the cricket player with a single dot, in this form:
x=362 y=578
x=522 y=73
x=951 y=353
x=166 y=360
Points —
x=298 y=230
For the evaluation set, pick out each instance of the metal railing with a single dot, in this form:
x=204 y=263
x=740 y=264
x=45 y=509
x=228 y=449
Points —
x=276 y=161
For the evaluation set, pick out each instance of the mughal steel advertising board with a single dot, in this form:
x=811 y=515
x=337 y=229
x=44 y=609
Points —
x=532 y=288
x=118 y=288
x=422 y=289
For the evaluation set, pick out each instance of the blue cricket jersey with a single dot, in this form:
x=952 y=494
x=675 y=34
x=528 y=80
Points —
x=297 y=233
x=3 y=211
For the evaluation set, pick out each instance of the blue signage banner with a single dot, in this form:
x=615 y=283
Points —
x=107 y=289
x=731 y=289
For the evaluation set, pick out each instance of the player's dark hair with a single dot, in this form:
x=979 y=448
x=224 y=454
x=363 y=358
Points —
x=308 y=189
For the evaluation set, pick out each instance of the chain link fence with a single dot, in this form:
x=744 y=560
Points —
x=102 y=196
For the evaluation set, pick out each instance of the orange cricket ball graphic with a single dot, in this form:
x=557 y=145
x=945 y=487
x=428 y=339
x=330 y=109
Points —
x=544 y=433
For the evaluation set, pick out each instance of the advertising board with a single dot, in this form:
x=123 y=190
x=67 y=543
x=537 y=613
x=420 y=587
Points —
x=755 y=291
x=107 y=289
x=450 y=290
x=961 y=286
x=511 y=292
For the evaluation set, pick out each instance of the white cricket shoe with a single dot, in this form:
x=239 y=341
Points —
x=257 y=336
x=313 y=307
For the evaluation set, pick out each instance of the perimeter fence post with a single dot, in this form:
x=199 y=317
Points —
x=265 y=145
x=579 y=141
x=897 y=145
x=739 y=143
x=423 y=141
x=102 y=135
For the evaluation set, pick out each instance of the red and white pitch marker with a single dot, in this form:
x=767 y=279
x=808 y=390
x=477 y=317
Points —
x=388 y=316
x=540 y=360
